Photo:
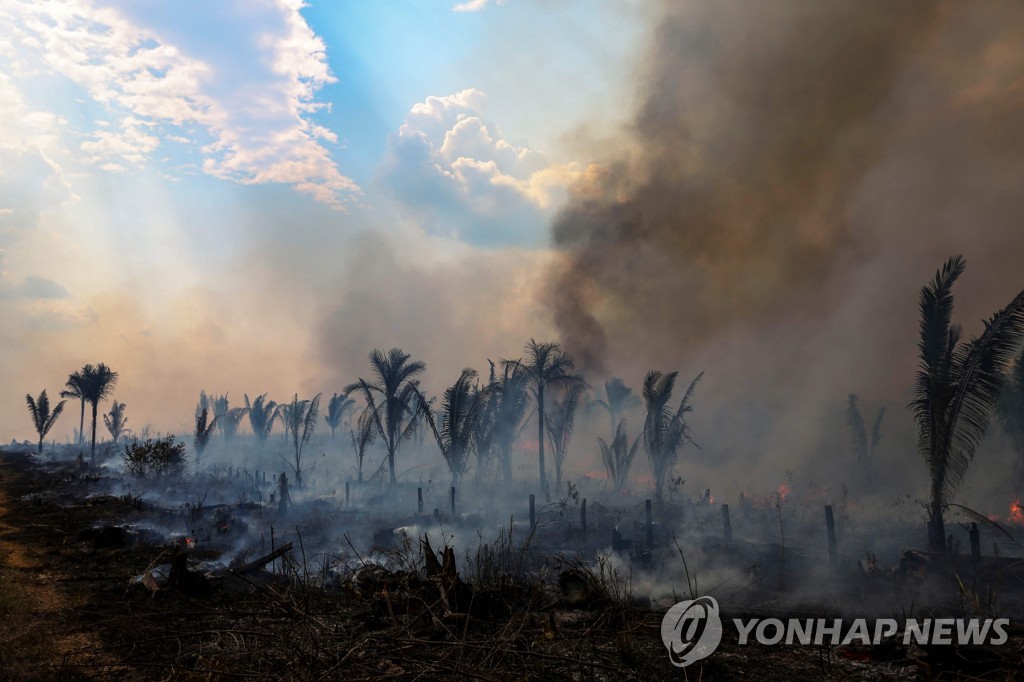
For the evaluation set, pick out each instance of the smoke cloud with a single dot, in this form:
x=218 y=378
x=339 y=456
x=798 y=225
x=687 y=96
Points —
x=791 y=175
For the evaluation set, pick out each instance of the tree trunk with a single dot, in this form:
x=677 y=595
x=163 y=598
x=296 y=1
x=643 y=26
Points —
x=936 y=524
x=81 y=423
x=540 y=443
x=558 y=475
x=93 y=452
x=391 y=466
x=40 y=444
x=506 y=465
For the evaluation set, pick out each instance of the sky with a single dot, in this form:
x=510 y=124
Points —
x=185 y=189
x=248 y=196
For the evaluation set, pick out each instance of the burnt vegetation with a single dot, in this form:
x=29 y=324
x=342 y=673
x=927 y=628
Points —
x=444 y=536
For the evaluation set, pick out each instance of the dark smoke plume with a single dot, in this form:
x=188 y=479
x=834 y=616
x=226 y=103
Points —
x=755 y=123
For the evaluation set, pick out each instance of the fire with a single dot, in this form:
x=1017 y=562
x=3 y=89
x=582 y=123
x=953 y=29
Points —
x=1016 y=512
x=783 y=492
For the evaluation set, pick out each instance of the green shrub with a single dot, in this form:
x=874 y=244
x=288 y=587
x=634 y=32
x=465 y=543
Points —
x=155 y=457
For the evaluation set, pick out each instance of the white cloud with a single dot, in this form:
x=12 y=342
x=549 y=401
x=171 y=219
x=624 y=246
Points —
x=260 y=128
x=473 y=5
x=459 y=176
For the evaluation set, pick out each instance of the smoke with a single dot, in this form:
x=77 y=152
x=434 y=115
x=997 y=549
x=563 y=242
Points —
x=791 y=175
x=756 y=124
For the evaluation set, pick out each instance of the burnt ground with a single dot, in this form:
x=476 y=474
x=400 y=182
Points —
x=73 y=609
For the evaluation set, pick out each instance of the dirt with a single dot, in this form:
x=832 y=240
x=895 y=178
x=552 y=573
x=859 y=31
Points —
x=73 y=611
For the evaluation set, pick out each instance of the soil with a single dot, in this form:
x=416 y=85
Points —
x=73 y=609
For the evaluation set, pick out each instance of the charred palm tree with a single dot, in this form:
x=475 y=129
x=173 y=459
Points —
x=115 y=421
x=957 y=387
x=561 y=419
x=863 y=447
x=460 y=408
x=337 y=407
x=394 y=402
x=665 y=430
x=1010 y=410
x=262 y=413
x=546 y=365
x=73 y=390
x=618 y=457
x=299 y=418
x=43 y=417
x=97 y=384
x=511 y=401
x=204 y=430
x=618 y=398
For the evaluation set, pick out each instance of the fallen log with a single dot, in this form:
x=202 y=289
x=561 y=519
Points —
x=264 y=560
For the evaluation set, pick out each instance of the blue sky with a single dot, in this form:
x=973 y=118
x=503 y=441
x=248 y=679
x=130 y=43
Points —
x=176 y=176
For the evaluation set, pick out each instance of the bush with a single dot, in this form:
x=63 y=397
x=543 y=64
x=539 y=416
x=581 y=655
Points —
x=154 y=457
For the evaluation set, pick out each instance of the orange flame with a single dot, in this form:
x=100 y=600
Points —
x=783 y=492
x=1016 y=512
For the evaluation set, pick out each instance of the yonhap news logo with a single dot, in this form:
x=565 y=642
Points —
x=692 y=630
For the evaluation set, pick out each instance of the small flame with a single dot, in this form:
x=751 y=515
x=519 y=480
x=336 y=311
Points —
x=1016 y=512
x=783 y=492
x=711 y=500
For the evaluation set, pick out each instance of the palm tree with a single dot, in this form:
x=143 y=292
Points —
x=511 y=399
x=337 y=407
x=42 y=417
x=220 y=412
x=957 y=387
x=618 y=457
x=619 y=398
x=460 y=409
x=362 y=437
x=204 y=429
x=863 y=448
x=262 y=413
x=394 y=402
x=232 y=418
x=299 y=418
x=561 y=419
x=1010 y=410
x=115 y=421
x=546 y=365
x=665 y=431
x=74 y=386
x=485 y=442
x=97 y=384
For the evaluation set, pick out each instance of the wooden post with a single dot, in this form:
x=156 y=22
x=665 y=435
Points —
x=284 y=501
x=419 y=500
x=453 y=500
x=650 y=525
x=583 y=516
x=975 y=543
x=533 y=514
x=830 y=523
x=726 y=525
